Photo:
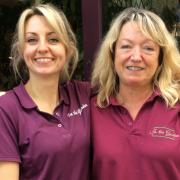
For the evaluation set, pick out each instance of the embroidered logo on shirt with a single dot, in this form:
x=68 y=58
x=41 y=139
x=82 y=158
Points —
x=78 y=111
x=164 y=132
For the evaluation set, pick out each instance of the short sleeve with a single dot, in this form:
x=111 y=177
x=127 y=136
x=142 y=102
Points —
x=9 y=150
x=85 y=88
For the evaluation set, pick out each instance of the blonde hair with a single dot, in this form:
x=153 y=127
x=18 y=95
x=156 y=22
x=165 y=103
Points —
x=61 y=26
x=167 y=76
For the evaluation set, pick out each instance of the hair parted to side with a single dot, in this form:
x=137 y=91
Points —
x=58 y=21
x=167 y=76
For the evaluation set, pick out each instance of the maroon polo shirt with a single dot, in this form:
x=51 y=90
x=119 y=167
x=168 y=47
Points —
x=145 y=149
x=48 y=147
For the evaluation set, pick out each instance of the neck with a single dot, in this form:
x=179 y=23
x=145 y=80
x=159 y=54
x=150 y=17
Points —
x=140 y=94
x=44 y=93
x=133 y=98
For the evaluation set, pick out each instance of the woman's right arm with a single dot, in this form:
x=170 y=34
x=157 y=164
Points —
x=9 y=170
x=9 y=147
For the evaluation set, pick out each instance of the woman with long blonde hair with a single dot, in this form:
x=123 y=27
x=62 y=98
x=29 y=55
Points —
x=44 y=121
x=135 y=113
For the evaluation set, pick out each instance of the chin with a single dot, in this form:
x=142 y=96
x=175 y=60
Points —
x=135 y=83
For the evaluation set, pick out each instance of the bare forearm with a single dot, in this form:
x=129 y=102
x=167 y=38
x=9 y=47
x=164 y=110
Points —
x=9 y=171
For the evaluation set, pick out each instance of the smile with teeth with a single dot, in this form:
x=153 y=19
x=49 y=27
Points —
x=134 y=68
x=43 y=59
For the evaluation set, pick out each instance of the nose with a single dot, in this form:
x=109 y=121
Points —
x=136 y=54
x=43 y=46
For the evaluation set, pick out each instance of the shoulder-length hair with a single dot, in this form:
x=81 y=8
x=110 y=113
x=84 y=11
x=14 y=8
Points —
x=58 y=21
x=167 y=76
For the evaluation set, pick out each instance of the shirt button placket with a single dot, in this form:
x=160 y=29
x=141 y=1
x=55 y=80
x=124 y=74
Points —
x=59 y=125
x=58 y=116
x=130 y=123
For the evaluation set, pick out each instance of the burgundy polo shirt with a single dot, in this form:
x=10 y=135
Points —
x=145 y=149
x=48 y=147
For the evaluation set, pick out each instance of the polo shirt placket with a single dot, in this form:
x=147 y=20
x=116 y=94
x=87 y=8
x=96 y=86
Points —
x=147 y=148
x=48 y=147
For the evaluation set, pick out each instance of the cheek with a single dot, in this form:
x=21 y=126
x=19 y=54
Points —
x=155 y=63
x=153 y=67
x=61 y=53
x=118 y=67
x=119 y=61
x=121 y=57
x=28 y=53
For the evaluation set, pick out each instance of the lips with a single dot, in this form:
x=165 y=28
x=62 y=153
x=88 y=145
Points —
x=134 y=68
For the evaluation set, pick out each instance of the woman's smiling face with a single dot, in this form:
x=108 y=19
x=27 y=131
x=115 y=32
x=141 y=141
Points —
x=136 y=56
x=44 y=53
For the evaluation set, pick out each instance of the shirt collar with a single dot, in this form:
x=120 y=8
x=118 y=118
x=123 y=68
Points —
x=27 y=102
x=24 y=97
x=63 y=93
x=156 y=93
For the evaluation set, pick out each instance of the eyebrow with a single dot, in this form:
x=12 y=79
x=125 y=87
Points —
x=33 y=33
x=145 y=41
